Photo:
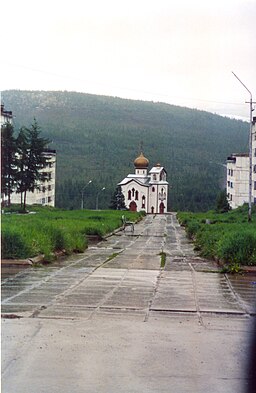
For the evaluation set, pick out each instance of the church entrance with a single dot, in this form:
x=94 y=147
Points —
x=133 y=206
x=161 y=208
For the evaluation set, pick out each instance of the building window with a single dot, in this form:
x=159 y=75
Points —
x=153 y=189
x=143 y=202
x=129 y=195
x=254 y=169
x=255 y=185
x=136 y=195
x=154 y=177
x=133 y=191
x=49 y=199
x=231 y=172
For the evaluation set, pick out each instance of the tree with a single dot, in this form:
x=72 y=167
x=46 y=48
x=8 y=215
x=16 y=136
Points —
x=31 y=147
x=8 y=160
x=117 y=201
x=222 y=205
x=22 y=150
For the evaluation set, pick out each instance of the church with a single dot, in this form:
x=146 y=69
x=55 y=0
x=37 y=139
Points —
x=146 y=191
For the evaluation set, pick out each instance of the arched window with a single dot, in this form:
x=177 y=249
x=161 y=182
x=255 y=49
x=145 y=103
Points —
x=143 y=202
x=133 y=191
x=153 y=189
x=136 y=195
x=129 y=195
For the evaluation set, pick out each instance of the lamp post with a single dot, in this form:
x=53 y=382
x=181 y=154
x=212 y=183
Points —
x=250 y=150
x=82 y=200
x=97 y=197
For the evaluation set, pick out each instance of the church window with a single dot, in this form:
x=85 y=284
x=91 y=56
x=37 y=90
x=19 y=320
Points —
x=136 y=195
x=129 y=195
x=133 y=191
x=143 y=202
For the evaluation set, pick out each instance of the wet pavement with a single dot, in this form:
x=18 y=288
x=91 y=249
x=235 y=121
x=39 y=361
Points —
x=117 y=302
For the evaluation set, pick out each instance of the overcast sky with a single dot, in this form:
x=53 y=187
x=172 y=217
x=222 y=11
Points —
x=180 y=52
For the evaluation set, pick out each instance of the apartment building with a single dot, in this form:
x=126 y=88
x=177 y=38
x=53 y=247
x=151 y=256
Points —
x=44 y=194
x=238 y=175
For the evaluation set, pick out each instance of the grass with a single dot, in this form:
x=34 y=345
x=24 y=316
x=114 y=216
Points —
x=227 y=237
x=163 y=259
x=49 y=230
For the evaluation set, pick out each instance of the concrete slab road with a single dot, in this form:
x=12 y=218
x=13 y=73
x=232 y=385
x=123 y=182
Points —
x=113 y=320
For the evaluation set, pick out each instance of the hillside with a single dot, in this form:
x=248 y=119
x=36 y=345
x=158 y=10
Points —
x=98 y=137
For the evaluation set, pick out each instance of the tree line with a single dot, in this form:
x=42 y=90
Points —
x=99 y=137
x=22 y=161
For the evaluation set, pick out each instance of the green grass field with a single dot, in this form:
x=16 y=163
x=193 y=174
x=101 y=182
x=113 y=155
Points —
x=48 y=230
x=228 y=237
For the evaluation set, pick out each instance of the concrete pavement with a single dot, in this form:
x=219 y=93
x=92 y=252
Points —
x=111 y=320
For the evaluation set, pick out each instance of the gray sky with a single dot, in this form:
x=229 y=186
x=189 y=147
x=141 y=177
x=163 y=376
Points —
x=180 y=52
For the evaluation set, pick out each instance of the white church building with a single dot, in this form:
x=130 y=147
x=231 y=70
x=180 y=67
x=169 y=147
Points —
x=146 y=191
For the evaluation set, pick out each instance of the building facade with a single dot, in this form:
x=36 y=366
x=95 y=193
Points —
x=238 y=175
x=237 y=179
x=44 y=194
x=254 y=160
x=146 y=191
x=6 y=116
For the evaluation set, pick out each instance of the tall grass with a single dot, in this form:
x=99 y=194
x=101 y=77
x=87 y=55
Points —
x=228 y=237
x=49 y=230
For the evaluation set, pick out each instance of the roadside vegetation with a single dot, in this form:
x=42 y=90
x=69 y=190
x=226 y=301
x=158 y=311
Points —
x=48 y=230
x=227 y=237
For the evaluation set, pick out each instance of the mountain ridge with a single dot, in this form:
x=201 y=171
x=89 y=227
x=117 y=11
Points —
x=98 y=137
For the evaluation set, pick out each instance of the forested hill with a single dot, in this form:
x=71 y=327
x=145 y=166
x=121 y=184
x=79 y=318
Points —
x=97 y=138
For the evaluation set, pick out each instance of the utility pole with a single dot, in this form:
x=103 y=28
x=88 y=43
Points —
x=82 y=200
x=97 y=197
x=250 y=149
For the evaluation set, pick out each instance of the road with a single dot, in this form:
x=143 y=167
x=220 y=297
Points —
x=112 y=320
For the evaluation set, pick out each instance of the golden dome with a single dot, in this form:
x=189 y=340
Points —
x=141 y=162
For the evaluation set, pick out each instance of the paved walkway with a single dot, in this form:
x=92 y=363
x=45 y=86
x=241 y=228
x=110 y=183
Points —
x=112 y=320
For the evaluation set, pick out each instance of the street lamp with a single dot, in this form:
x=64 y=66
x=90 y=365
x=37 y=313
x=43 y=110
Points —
x=82 y=200
x=250 y=150
x=97 y=197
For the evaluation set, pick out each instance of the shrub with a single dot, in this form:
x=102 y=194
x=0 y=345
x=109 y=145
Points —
x=192 y=228
x=13 y=245
x=238 y=247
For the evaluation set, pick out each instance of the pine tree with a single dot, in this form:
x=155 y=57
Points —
x=117 y=200
x=8 y=160
x=31 y=160
x=222 y=205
